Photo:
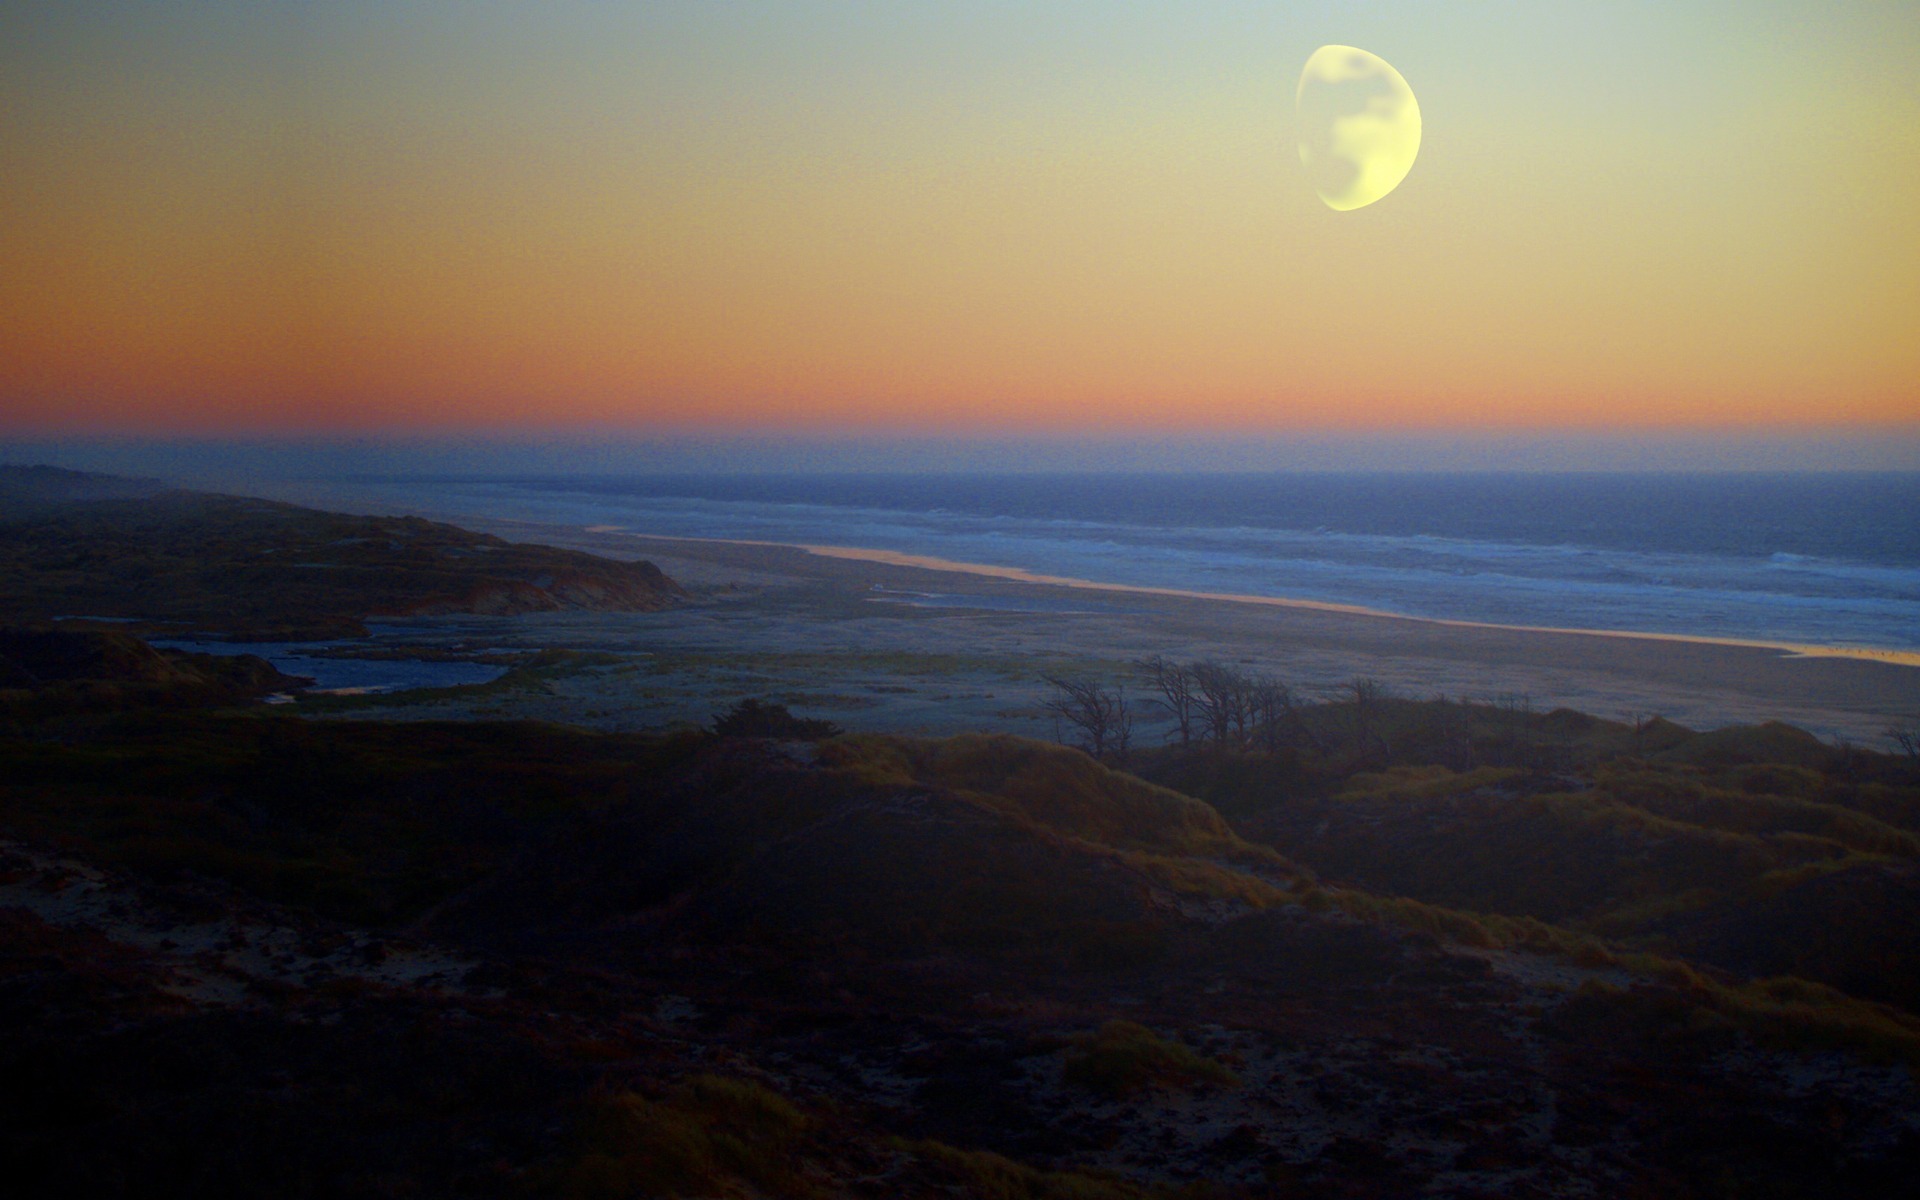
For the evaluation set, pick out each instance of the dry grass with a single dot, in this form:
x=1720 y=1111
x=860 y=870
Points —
x=984 y=1175
x=1124 y=1057
x=1051 y=786
x=709 y=1137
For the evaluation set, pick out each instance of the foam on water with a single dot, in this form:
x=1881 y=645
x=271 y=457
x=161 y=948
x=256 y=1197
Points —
x=1814 y=559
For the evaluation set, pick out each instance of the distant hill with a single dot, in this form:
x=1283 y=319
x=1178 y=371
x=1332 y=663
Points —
x=80 y=545
x=24 y=489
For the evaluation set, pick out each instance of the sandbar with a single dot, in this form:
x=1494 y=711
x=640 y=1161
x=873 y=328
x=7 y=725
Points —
x=876 y=639
x=1908 y=658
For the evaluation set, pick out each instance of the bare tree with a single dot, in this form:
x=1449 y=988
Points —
x=1273 y=716
x=1174 y=682
x=1100 y=713
x=1848 y=764
x=1643 y=724
x=1222 y=695
x=1514 y=705
x=1455 y=726
x=1907 y=738
x=1210 y=701
x=1366 y=694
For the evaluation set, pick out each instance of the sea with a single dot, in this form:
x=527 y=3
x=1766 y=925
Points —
x=335 y=673
x=1817 y=559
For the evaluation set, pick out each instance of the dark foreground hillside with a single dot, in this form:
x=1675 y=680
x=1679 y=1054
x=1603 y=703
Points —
x=248 y=954
x=1761 y=851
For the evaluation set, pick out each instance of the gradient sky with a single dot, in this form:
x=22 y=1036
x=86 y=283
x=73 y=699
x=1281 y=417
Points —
x=902 y=217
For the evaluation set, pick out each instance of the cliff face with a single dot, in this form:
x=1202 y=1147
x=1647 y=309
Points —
x=255 y=568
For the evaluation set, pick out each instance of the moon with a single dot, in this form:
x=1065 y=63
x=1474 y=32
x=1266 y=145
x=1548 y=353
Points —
x=1359 y=126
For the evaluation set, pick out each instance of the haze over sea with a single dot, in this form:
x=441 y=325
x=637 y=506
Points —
x=1821 y=559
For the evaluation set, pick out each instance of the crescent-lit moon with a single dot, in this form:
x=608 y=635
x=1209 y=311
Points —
x=1359 y=126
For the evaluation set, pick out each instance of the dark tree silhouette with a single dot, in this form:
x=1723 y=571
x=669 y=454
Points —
x=1222 y=701
x=1907 y=738
x=1366 y=693
x=1099 y=712
x=1174 y=682
x=753 y=718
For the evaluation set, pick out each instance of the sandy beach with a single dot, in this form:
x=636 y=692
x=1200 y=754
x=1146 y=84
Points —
x=878 y=641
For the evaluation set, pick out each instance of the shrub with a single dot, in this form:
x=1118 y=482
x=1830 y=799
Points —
x=990 y=1176
x=709 y=1134
x=1050 y=786
x=1124 y=1057
x=752 y=718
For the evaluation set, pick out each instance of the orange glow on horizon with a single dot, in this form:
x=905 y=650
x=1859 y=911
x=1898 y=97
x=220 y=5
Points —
x=454 y=234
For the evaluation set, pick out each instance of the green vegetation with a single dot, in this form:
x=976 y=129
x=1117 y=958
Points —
x=1092 y=812
x=754 y=718
x=1050 y=786
x=987 y=1176
x=367 y=822
x=1786 y=1013
x=507 y=959
x=1209 y=880
x=1594 y=840
x=1124 y=1057
x=709 y=1136
x=1773 y=800
x=1748 y=867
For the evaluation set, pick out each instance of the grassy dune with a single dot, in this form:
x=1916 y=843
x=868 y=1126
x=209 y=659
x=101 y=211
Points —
x=992 y=966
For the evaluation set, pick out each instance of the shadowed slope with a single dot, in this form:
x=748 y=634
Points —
x=1049 y=785
x=1044 y=851
x=189 y=561
x=692 y=965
